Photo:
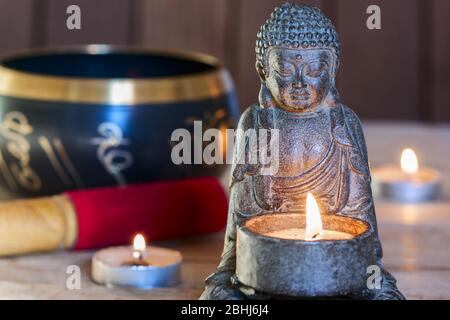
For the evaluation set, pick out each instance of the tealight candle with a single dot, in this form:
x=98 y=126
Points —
x=314 y=230
x=137 y=266
x=407 y=182
x=310 y=255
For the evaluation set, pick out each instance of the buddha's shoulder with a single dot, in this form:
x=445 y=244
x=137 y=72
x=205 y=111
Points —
x=356 y=134
x=255 y=113
x=248 y=117
x=350 y=116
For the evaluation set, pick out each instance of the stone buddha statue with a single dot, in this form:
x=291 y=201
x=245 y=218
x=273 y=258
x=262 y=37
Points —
x=321 y=143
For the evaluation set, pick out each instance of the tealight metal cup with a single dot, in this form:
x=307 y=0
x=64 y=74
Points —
x=111 y=267
x=424 y=187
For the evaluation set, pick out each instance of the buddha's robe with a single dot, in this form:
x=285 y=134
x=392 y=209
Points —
x=321 y=152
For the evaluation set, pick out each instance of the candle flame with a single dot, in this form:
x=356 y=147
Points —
x=313 y=219
x=408 y=161
x=138 y=245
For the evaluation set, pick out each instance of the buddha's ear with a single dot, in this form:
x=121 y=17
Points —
x=335 y=65
x=260 y=71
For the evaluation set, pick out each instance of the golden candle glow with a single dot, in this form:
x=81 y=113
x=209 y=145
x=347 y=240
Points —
x=313 y=219
x=138 y=246
x=408 y=161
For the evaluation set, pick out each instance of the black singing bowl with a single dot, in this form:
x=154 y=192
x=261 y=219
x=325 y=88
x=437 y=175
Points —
x=95 y=116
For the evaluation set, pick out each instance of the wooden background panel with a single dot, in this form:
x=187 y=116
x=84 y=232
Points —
x=15 y=24
x=399 y=72
x=102 y=21
x=440 y=59
x=379 y=75
x=252 y=14
x=197 y=25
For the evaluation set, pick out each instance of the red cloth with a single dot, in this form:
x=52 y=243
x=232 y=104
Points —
x=159 y=210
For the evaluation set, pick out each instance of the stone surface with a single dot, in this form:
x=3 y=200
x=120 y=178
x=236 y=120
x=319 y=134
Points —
x=316 y=147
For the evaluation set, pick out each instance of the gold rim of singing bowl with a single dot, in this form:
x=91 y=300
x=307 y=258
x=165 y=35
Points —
x=120 y=91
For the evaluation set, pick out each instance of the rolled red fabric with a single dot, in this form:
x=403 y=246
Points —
x=160 y=210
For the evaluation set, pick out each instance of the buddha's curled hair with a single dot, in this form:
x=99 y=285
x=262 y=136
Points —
x=296 y=26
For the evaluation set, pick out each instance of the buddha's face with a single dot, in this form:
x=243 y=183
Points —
x=299 y=79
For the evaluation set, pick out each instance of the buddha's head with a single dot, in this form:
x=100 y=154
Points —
x=297 y=56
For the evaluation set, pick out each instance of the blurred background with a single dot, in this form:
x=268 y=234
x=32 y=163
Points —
x=400 y=72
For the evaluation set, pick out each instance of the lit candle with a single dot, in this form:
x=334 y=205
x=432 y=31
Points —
x=139 y=247
x=314 y=230
x=408 y=182
x=137 y=266
x=304 y=254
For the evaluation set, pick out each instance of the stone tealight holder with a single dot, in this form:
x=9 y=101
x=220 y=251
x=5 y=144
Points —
x=304 y=268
